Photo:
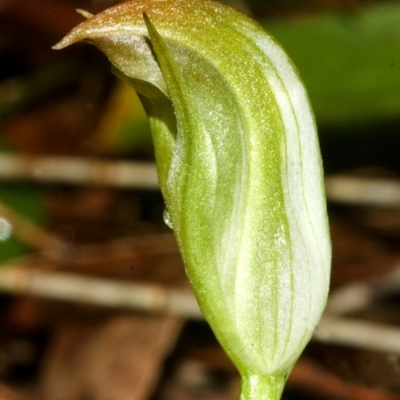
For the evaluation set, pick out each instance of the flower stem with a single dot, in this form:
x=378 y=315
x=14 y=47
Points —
x=261 y=387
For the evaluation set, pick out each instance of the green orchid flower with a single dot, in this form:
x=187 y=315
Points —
x=239 y=168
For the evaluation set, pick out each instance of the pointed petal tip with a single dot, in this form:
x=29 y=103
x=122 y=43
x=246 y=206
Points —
x=71 y=37
x=60 y=45
x=75 y=35
x=65 y=41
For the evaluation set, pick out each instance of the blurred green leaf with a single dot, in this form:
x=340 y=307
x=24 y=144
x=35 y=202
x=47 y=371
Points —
x=124 y=126
x=25 y=200
x=19 y=93
x=350 y=62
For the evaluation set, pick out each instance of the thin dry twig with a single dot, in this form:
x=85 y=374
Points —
x=79 y=171
x=129 y=174
x=360 y=334
x=363 y=191
x=158 y=299
x=314 y=380
x=98 y=291
x=358 y=296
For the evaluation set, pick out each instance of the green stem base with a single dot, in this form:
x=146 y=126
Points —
x=261 y=387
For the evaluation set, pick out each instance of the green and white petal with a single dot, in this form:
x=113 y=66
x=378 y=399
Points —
x=240 y=170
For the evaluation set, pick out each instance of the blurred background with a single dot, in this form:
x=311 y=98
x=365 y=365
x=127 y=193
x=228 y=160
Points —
x=94 y=303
